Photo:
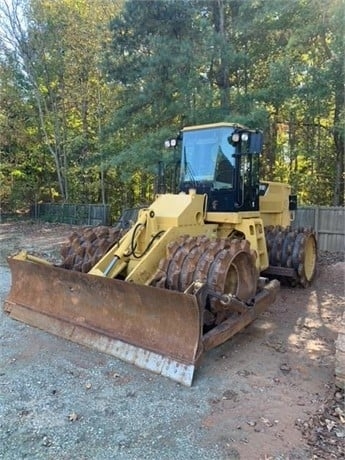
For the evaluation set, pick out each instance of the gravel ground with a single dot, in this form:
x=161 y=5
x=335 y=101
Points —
x=251 y=398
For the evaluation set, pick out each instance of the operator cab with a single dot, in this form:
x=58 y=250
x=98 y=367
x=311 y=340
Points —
x=222 y=160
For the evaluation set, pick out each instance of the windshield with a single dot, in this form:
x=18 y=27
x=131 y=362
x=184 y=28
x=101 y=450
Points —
x=207 y=156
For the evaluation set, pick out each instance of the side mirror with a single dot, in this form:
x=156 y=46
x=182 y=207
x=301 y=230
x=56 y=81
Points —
x=256 y=142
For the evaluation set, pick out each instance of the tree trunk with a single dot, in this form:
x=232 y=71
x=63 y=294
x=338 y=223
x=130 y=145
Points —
x=339 y=146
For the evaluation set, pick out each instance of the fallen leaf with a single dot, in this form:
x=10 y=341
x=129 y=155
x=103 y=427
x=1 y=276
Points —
x=73 y=417
x=330 y=424
x=266 y=421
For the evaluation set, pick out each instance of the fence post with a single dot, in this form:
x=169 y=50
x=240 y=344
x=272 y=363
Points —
x=316 y=222
x=105 y=215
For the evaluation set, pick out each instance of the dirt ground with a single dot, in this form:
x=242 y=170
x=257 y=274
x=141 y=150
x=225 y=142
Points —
x=267 y=394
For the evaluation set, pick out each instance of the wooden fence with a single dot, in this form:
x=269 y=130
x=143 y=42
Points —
x=328 y=223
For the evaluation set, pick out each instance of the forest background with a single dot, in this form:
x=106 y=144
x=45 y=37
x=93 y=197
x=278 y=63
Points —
x=90 y=89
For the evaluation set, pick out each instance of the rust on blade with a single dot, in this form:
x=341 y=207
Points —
x=154 y=328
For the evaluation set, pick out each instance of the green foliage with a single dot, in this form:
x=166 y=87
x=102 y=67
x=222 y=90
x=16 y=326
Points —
x=91 y=89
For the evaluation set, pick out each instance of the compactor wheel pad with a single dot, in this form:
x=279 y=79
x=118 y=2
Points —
x=296 y=249
x=225 y=266
x=87 y=246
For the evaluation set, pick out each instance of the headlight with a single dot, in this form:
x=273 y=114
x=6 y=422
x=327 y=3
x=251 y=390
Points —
x=170 y=143
x=244 y=137
x=235 y=137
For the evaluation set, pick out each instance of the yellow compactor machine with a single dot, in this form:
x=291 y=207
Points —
x=194 y=269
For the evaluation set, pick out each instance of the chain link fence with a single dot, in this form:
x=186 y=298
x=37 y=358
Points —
x=75 y=214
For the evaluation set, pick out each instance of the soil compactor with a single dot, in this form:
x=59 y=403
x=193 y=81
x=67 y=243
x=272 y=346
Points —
x=195 y=268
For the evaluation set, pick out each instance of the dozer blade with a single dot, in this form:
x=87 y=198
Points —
x=153 y=328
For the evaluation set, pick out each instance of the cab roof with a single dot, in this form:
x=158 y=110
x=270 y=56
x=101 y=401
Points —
x=213 y=125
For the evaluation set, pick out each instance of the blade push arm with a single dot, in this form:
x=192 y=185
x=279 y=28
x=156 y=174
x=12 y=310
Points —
x=116 y=259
